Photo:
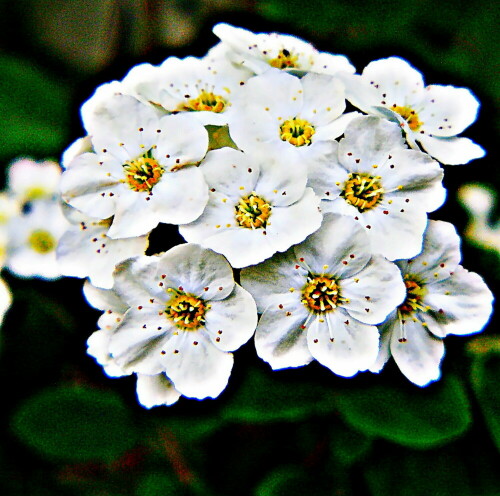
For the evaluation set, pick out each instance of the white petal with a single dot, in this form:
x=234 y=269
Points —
x=280 y=275
x=340 y=247
x=447 y=110
x=103 y=299
x=198 y=369
x=156 y=390
x=395 y=81
x=384 y=352
x=324 y=99
x=199 y=271
x=341 y=343
x=461 y=304
x=98 y=347
x=420 y=355
x=440 y=254
x=451 y=151
x=280 y=339
x=374 y=291
x=231 y=322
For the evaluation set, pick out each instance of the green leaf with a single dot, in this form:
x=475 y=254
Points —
x=406 y=473
x=406 y=414
x=75 y=424
x=159 y=484
x=262 y=399
x=290 y=480
x=35 y=110
x=484 y=377
x=218 y=137
x=347 y=445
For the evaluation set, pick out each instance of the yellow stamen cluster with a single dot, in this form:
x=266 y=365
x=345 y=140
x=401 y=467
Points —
x=207 y=101
x=143 y=173
x=415 y=292
x=409 y=115
x=362 y=191
x=42 y=241
x=321 y=294
x=252 y=211
x=185 y=310
x=297 y=132
x=284 y=60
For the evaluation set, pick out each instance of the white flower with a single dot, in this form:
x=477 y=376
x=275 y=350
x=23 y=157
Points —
x=203 y=87
x=152 y=390
x=5 y=299
x=432 y=115
x=296 y=117
x=258 y=52
x=257 y=206
x=321 y=300
x=33 y=238
x=185 y=315
x=382 y=184
x=442 y=298
x=29 y=180
x=143 y=170
x=85 y=250
x=10 y=207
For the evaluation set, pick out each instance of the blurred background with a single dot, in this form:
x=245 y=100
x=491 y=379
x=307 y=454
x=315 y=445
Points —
x=67 y=429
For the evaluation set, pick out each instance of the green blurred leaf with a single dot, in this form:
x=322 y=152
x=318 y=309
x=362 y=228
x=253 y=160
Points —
x=485 y=375
x=218 y=137
x=406 y=473
x=192 y=429
x=35 y=110
x=347 y=445
x=262 y=399
x=408 y=415
x=290 y=480
x=158 y=484
x=74 y=423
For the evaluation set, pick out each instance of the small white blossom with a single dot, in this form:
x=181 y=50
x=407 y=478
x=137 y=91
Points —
x=322 y=298
x=142 y=171
x=152 y=390
x=298 y=118
x=85 y=250
x=185 y=315
x=29 y=180
x=430 y=115
x=375 y=179
x=203 y=87
x=5 y=299
x=257 y=206
x=442 y=298
x=258 y=52
x=33 y=238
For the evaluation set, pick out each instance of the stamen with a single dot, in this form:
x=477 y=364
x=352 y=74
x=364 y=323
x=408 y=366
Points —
x=143 y=173
x=42 y=241
x=185 y=310
x=252 y=211
x=409 y=115
x=297 y=132
x=321 y=294
x=362 y=191
x=206 y=101
x=415 y=292
x=284 y=60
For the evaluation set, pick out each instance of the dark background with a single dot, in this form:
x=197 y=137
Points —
x=70 y=430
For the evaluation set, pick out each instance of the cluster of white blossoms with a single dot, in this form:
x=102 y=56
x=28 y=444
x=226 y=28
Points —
x=284 y=168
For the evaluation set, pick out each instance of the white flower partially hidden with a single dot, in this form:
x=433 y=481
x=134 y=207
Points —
x=386 y=187
x=442 y=298
x=152 y=390
x=430 y=115
x=33 y=238
x=258 y=52
x=185 y=315
x=322 y=298
x=5 y=299
x=203 y=87
x=28 y=180
x=85 y=250
x=298 y=118
x=10 y=208
x=257 y=206
x=142 y=171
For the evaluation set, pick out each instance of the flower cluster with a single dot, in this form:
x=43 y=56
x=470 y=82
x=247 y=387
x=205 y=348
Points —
x=279 y=160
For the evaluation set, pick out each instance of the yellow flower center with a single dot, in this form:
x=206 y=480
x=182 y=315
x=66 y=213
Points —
x=362 y=191
x=409 y=115
x=35 y=193
x=297 y=132
x=415 y=292
x=186 y=311
x=42 y=241
x=321 y=294
x=143 y=173
x=207 y=101
x=252 y=211
x=284 y=60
